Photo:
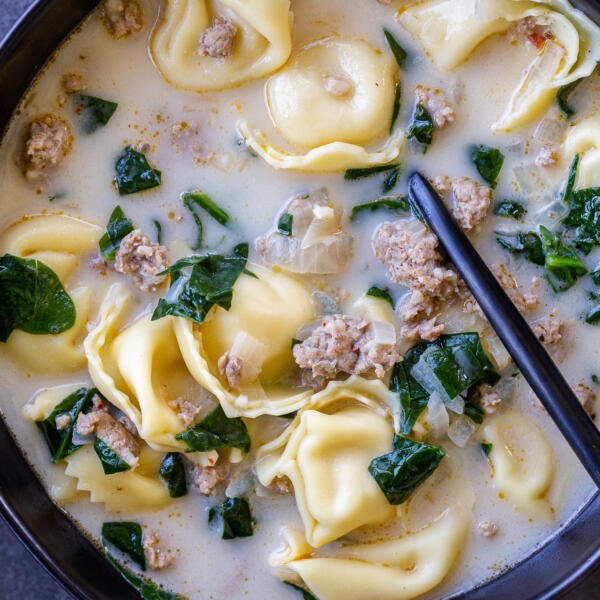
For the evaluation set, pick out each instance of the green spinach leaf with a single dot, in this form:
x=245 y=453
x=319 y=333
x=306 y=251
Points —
x=400 y=472
x=95 y=112
x=216 y=431
x=571 y=179
x=110 y=460
x=172 y=470
x=354 y=174
x=392 y=203
x=527 y=243
x=420 y=128
x=32 y=298
x=134 y=173
x=488 y=162
x=510 y=208
x=396 y=106
x=486 y=448
x=200 y=282
x=233 y=517
x=126 y=536
x=593 y=315
x=389 y=183
x=117 y=228
x=60 y=441
x=206 y=203
x=383 y=294
x=158 y=228
x=562 y=98
x=563 y=266
x=397 y=50
x=193 y=208
x=584 y=218
x=306 y=595
x=285 y=224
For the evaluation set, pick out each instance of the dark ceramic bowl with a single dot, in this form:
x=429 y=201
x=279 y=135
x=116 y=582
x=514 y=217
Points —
x=571 y=557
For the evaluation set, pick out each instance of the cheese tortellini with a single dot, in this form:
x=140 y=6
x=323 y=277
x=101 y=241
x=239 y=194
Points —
x=326 y=451
x=584 y=139
x=61 y=243
x=394 y=569
x=269 y=309
x=335 y=96
x=139 y=369
x=450 y=30
x=523 y=463
x=262 y=42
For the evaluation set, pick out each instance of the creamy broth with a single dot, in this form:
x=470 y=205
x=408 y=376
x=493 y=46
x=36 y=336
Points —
x=253 y=193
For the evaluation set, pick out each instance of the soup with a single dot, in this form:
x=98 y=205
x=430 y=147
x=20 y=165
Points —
x=231 y=349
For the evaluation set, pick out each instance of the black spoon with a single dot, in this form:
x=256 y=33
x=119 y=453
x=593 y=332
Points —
x=530 y=356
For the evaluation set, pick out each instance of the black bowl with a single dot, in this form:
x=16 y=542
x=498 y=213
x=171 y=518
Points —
x=569 y=558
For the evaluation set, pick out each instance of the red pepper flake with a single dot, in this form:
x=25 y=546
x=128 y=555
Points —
x=537 y=39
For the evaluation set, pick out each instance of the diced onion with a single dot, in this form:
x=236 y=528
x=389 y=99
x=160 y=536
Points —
x=437 y=416
x=548 y=131
x=251 y=352
x=427 y=379
x=81 y=440
x=325 y=303
x=495 y=349
x=241 y=484
x=456 y=405
x=383 y=332
x=461 y=430
x=307 y=329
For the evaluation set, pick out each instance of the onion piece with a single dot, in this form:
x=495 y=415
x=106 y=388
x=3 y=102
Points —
x=251 y=352
x=241 y=484
x=383 y=332
x=437 y=416
x=456 y=405
x=461 y=430
x=307 y=329
x=325 y=303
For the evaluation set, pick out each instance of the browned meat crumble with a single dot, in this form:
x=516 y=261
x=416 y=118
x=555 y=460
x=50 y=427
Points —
x=143 y=260
x=437 y=104
x=122 y=17
x=73 y=83
x=48 y=143
x=156 y=557
x=217 y=41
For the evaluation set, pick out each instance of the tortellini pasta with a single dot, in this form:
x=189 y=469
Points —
x=128 y=491
x=270 y=308
x=326 y=451
x=139 y=369
x=60 y=242
x=584 y=139
x=262 y=44
x=523 y=462
x=395 y=569
x=335 y=96
x=450 y=30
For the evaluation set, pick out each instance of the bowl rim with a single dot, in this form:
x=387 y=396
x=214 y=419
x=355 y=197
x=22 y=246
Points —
x=552 y=569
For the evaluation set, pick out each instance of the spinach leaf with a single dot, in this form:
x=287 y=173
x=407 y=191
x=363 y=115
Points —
x=396 y=106
x=205 y=202
x=146 y=589
x=110 y=460
x=216 y=431
x=486 y=448
x=295 y=342
x=593 y=315
x=393 y=203
x=200 y=282
x=285 y=224
x=233 y=517
x=134 y=173
x=32 y=298
x=117 y=228
x=562 y=98
x=354 y=174
x=400 y=472
x=60 y=441
x=595 y=379
x=596 y=275
x=389 y=183
x=563 y=266
x=158 y=228
x=488 y=162
x=584 y=217
x=127 y=537
x=306 y=595
x=473 y=410
x=510 y=208
x=172 y=471
x=95 y=112
x=193 y=208
x=377 y=292
x=420 y=128
x=527 y=243
x=450 y=365
x=571 y=178
x=397 y=50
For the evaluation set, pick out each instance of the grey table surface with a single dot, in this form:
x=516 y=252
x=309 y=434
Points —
x=21 y=577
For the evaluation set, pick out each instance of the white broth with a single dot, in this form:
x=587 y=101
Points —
x=209 y=157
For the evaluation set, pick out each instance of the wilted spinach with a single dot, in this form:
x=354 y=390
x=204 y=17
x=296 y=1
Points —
x=392 y=203
x=420 y=127
x=95 y=112
x=285 y=224
x=233 y=517
x=584 y=218
x=510 y=208
x=32 y=298
x=126 y=536
x=117 y=228
x=383 y=294
x=563 y=266
x=172 y=470
x=488 y=162
x=110 y=460
x=134 y=173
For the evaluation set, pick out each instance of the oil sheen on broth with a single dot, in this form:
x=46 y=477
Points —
x=265 y=126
